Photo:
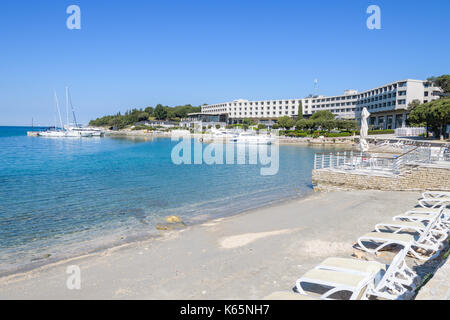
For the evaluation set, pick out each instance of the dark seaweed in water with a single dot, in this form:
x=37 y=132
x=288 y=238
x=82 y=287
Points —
x=138 y=213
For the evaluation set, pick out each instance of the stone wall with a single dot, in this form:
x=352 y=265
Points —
x=412 y=178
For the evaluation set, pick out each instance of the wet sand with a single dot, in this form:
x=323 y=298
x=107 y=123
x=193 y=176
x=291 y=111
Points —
x=246 y=256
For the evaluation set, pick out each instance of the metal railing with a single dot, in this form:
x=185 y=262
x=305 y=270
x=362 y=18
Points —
x=350 y=160
x=353 y=161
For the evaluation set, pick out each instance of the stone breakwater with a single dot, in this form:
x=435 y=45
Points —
x=413 y=177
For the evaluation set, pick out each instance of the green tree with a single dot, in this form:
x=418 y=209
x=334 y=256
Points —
x=248 y=121
x=300 y=111
x=323 y=115
x=149 y=110
x=434 y=115
x=301 y=124
x=413 y=104
x=346 y=125
x=286 y=122
x=442 y=81
x=262 y=126
x=160 y=112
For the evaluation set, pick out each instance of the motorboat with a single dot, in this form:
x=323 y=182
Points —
x=252 y=138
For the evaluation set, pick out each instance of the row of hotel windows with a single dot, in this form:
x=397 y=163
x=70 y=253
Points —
x=374 y=106
x=372 y=93
x=262 y=113
x=285 y=112
x=255 y=103
x=386 y=96
x=382 y=90
x=365 y=94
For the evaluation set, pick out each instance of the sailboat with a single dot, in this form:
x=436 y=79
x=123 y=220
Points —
x=63 y=131
x=54 y=132
x=74 y=129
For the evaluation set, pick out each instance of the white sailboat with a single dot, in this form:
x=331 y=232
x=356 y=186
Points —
x=69 y=130
x=54 y=132
x=75 y=129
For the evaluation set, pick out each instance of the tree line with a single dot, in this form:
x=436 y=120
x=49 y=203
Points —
x=130 y=117
x=323 y=120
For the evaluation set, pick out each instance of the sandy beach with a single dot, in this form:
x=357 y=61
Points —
x=246 y=256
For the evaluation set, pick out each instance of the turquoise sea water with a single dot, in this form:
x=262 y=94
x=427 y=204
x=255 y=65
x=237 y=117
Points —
x=63 y=197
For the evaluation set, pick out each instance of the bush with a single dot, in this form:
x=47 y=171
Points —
x=387 y=131
x=261 y=126
x=335 y=135
x=141 y=127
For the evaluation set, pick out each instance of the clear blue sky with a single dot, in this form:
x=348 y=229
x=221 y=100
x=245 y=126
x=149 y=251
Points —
x=138 y=53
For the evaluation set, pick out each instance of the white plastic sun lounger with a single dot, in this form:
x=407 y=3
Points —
x=336 y=282
x=393 y=282
x=427 y=241
x=435 y=194
x=362 y=278
x=361 y=267
x=285 y=295
x=410 y=223
x=443 y=201
x=441 y=215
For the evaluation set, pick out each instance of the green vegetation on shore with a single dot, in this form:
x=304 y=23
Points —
x=132 y=116
x=322 y=120
x=434 y=115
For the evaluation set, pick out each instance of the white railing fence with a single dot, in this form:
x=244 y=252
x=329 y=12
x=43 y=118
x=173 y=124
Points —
x=410 y=131
x=350 y=160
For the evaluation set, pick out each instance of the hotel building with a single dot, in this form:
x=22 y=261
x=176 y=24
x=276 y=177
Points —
x=387 y=104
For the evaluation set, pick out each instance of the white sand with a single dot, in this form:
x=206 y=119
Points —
x=247 y=256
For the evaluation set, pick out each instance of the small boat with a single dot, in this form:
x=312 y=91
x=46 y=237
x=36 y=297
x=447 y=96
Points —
x=52 y=133
x=84 y=131
x=252 y=138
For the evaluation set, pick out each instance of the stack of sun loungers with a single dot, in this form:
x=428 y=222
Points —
x=420 y=233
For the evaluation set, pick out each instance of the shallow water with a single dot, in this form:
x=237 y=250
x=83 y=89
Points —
x=63 y=197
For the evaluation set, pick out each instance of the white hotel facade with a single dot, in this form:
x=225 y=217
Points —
x=388 y=104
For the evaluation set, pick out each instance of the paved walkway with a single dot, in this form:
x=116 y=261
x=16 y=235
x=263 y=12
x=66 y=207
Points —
x=438 y=288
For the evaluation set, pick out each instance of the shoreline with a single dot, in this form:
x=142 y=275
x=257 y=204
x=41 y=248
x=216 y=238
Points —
x=215 y=256
x=153 y=235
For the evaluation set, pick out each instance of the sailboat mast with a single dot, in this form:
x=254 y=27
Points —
x=59 y=111
x=67 y=106
x=73 y=111
x=54 y=115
